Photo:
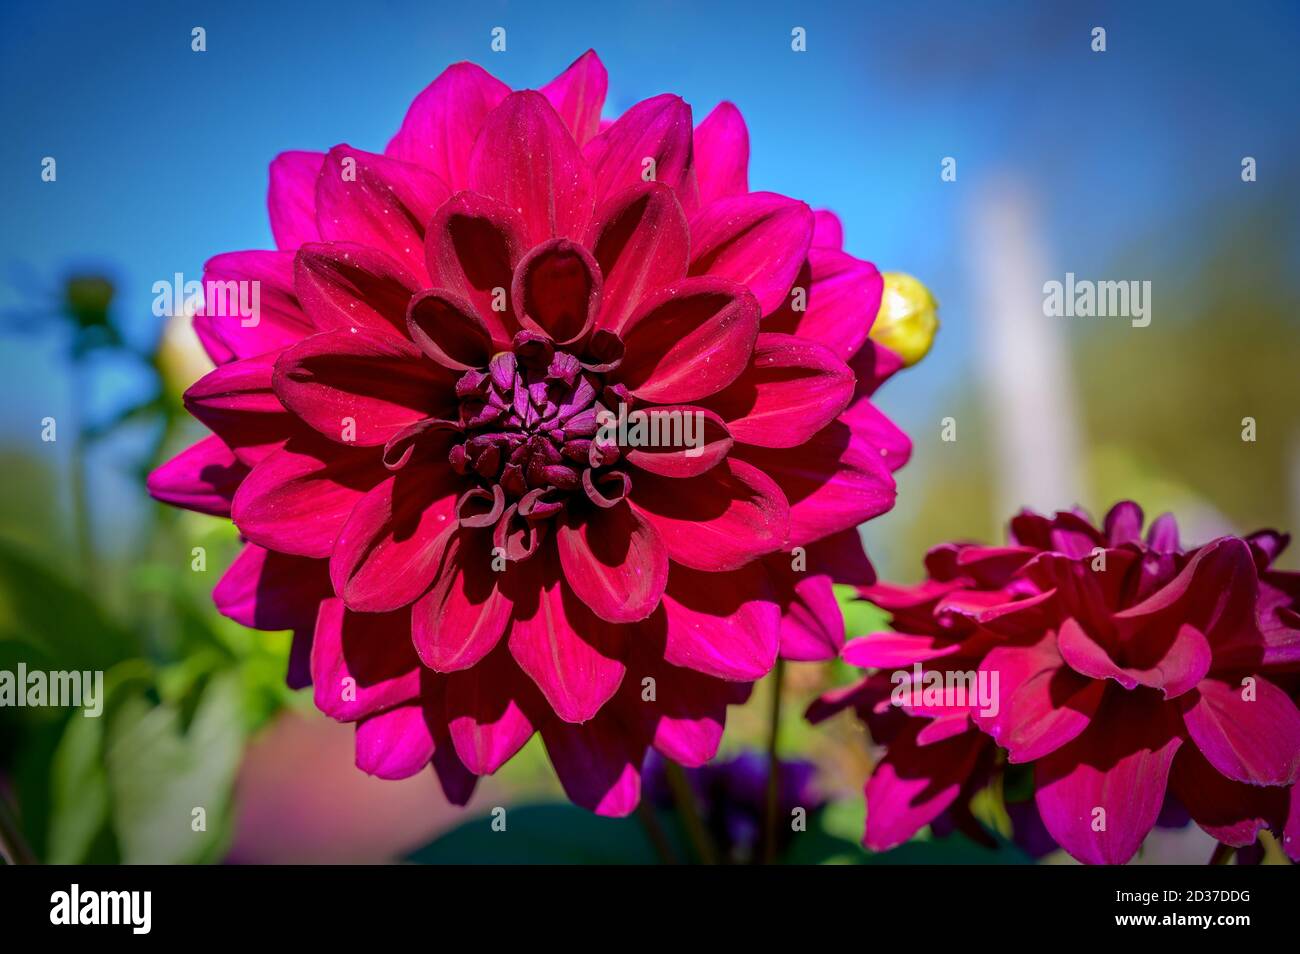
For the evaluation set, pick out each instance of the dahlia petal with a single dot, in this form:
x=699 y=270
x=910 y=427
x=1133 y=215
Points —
x=1100 y=794
x=913 y=784
x=791 y=390
x=870 y=423
x=525 y=158
x=812 y=626
x=471 y=249
x=236 y=402
x=343 y=286
x=614 y=561
x=276 y=322
x=1041 y=704
x=641 y=241
x=598 y=765
x=697 y=441
x=578 y=95
x=841 y=300
x=457 y=781
x=842 y=557
x=202 y=478
x=890 y=650
x=377 y=201
x=833 y=481
x=298 y=498
x=828 y=231
x=722 y=154
x=362 y=663
x=444 y=121
x=689 y=340
x=722 y=624
x=390 y=547
x=1233 y=812
x=1162 y=535
x=491 y=711
x=449 y=330
x=873 y=365
x=556 y=289
x=216 y=349
x=720 y=520
x=1252 y=740
x=266 y=590
x=395 y=744
x=360 y=387
x=1183 y=663
x=465 y=613
x=657 y=131
x=685 y=716
x=573 y=656
x=759 y=240
x=1123 y=523
x=291 y=198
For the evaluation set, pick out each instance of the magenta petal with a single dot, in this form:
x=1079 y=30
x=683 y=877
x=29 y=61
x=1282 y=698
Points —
x=578 y=94
x=488 y=712
x=614 y=561
x=465 y=613
x=1233 y=812
x=828 y=231
x=297 y=499
x=598 y=765
x=870 y=424
x=1041 y=704
x=471 y=249
x=525 y=158
x=722 y=624
x=249 y=322
x=759 y=240
x=892 y=650
x=343 y=286
x=1176 y=667
x=266 y=590
x=390 y=547
x=449 y=330
x=361 y=388
x=395 y=744
x=657 y=129
x=812 y=625
x=722 y=154
x=834 y=481
x=685 y=453
x=842 y=298
x=685 y=718
x=444 y=121
x=873 y=365
x=720 y=520
x=1253 y=740
x=362 y=663
x=236 y=402
x=556 y=290
x=202 y=478
x=373 y=200
x=573 y=656
x=640 y=239
x=291 y=198
x=791 y=390
x=1100 y=794
x=689 y=340
x=913 y=784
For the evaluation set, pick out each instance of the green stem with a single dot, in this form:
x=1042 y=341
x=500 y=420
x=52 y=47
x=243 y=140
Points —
x=77 y=466
x=773 y=766
x=655 y=833
x=689 y=812
x=1222 y=854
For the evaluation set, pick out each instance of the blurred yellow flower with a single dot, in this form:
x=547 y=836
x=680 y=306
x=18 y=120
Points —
x=908 y=318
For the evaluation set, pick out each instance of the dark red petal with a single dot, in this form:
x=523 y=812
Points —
x=263 y=589
x=691 y=440
x=362 y=663
x=525 y=158
x=759 y=240
x=614 y=561
x=344 y=286
x=657 y=129
x=236 y=402
x=465 y=612
x=557 y=289
x=492 y=710
x=202 y=478
x=839 y=305
x=448 y=329
x=689 y=340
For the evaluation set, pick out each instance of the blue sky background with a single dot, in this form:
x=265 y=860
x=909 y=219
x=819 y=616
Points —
x=162 y=152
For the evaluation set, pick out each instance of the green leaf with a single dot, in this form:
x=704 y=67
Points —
x=159 y=771
x=79 y=810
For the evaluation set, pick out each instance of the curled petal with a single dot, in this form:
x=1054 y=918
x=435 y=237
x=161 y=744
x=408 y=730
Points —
x=614 y=561
x=685 y=441
x=449 y=330
x=557 y=289
x=838 y=297
x=236 y=402
x=396 y=743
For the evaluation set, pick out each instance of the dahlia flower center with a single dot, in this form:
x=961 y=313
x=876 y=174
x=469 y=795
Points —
x=529 y=425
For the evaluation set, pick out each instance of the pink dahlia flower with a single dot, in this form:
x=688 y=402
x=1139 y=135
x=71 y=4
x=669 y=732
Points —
x=411 y=438
x=1126 y=668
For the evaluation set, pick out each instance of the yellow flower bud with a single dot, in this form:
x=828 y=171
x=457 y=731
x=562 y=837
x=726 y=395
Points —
x=908 y=318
